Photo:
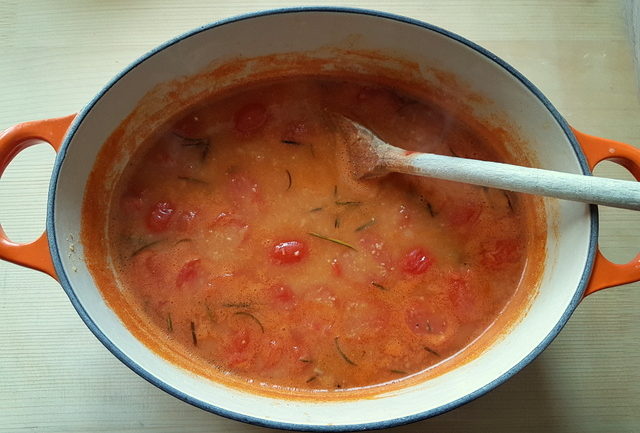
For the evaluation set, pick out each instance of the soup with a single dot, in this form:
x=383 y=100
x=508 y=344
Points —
x=240 y=240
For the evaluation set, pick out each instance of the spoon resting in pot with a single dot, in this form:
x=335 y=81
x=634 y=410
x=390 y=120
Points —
x=369 y=156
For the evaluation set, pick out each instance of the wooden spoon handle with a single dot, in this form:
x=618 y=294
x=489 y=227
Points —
x=588 y=189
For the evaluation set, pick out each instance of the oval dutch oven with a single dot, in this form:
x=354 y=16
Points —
x=574 y=266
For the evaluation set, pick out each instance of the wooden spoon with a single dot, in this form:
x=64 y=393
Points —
x=369 y=157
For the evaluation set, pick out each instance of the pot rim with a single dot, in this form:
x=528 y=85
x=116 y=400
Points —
x=151 y=378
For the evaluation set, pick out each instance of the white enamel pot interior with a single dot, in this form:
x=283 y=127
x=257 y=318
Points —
x=571 y=236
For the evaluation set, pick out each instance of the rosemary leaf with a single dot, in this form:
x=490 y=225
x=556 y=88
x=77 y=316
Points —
x=348 y=203
x=342 y=354
x=430 y=209
x=336 y=223
x=378 y=285
x=197 y=142
x=169 y=323
x=193 y=334
x=293 y=142
x=366 y=225
x=254 y=318
x=431 y=351
x=146 y=246
x=237 y=304
x=191 y=141
x=508 y=197
x=316 y=209
x=290 y=180
x=311 y=379
x=398 y=371
x=193 y=180
x=335 y=241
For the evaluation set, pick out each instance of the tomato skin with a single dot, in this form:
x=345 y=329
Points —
x=241 y=344
x=464 y=298
x=229 y=229
x=501 y=253
x=250 y=118
x=288 y=252
x=416 y=262
x=160 y=216
x=464 y=215
x=151 y=267
x=188 y=272
x=237 y=348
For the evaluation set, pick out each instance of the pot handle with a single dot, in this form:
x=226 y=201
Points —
x=34 y=255
x=605 y=273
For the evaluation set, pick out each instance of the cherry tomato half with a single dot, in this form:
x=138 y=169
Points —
x=416 y=262
x=160 y=216
x=288 y=252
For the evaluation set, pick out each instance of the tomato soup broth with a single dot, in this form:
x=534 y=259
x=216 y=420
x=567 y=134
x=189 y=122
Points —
x=239 y=237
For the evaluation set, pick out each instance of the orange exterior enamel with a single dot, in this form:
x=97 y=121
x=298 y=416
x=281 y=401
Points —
x=34 y=255
x=605 y=273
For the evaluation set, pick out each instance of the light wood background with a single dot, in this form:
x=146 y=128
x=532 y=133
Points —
x=55 y=55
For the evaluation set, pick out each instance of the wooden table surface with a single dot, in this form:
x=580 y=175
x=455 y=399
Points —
x=55 y=55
